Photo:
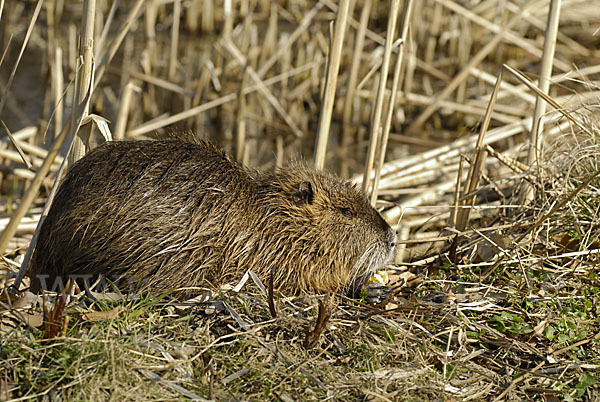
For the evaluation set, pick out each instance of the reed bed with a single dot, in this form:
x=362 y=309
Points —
x=472 y=125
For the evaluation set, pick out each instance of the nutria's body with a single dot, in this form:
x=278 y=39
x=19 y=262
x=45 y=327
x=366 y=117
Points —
x=166 y=214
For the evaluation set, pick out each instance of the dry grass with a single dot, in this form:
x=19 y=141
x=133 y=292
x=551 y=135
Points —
x=500 y=303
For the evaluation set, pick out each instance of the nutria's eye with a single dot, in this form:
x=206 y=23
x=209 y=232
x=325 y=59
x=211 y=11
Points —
x=347 y=212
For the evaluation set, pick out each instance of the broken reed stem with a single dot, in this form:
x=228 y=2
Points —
x=476 y=168
x=392 y=101
x=376 y=117
x=85 y=76
x=24 y=158
x=333 y=67
x=535 y=137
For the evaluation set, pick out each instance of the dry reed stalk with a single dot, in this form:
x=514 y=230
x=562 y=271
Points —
x=228 y=19
x=392 y=100
x=13 y=156
x=359 y=42
x=124 y=107
x=270 y=37
x=51 y=29
x=208 y=16
x=506 y=88
x=6 y=49
x=85 y=77
x=535 y=137
x=240 y=132
x=423 y=177
x=169 y=86
x=16 y=145
x=150 y=19
x=374 y=134
x=476 y=168
x=29 y=223
x=575 y=74
x=378 y=39
x=333 y=66
x=192 y=13
x=36 y=13
x=285 y=64
x=376 y=65
x=412 y=98
x=463 y=52
x=106 y=29
x=201 y=85
x=72 y=50
x=57 y=90
x=174 y=40
x=411 y=66
x=435 y=29
x=457 y=194
x=28 y=175
x=127 y=62
x=464 y=73
x=521 y=77
x=33 y=151
x=509 y=162
x=21 y=136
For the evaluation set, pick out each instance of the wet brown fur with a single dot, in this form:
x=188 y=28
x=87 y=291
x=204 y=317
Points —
x=166 y=214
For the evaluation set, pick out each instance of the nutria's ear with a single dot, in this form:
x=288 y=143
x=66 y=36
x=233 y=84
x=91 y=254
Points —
x=305 y=192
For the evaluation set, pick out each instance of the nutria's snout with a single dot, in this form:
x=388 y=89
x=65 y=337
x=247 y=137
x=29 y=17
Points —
x=161 y=215
x=391 y=239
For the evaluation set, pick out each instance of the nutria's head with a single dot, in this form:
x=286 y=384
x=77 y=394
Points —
x=329 y=232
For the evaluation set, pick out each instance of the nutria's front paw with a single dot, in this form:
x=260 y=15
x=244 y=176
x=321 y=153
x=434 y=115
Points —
x=375 y=293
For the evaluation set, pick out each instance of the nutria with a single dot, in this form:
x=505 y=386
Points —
x=165 y=214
